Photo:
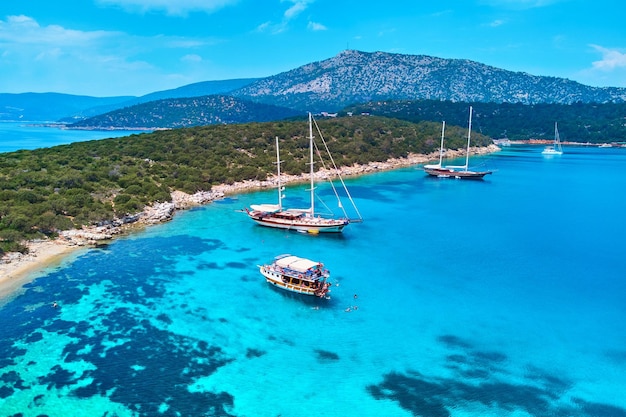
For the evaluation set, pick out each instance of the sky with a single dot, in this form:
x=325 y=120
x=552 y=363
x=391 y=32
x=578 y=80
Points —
x=109 y=48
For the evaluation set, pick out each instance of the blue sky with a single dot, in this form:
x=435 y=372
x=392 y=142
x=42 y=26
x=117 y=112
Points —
x=135 y=47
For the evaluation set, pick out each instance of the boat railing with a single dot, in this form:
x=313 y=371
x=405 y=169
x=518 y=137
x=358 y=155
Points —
x=311 y=275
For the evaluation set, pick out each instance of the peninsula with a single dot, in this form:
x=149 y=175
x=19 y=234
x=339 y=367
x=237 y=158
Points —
x=17 y=268
x=57 y=199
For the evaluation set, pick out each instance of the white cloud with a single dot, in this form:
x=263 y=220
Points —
x=25 y=30
x=520 y=4
x=496 y=23
x=53 y=58
x=316 y=26
x=263 y=27
x=297 y=8
x=610 y=71
x=611 y=59
x=292 y=12
x=191 y=58
x=170 y=7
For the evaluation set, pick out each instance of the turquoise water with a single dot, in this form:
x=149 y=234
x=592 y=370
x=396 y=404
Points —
x=502 y=297
x=15 y=136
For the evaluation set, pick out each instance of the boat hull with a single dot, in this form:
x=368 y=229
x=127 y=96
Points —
x=551 y=152
x=453 y=173
x=311 y=225
x=284 y=282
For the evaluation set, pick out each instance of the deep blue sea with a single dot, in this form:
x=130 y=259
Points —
x=502 y=297
x=15 y=136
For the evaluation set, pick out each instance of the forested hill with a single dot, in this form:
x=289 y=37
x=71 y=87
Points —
x=186 y=112
x=51 y=189
x=578 y=122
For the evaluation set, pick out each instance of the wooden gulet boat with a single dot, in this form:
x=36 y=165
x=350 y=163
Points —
x=299 y=275
x=450 y=171
x=304 y=220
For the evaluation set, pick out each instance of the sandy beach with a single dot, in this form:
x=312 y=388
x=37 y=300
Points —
x=17 y=269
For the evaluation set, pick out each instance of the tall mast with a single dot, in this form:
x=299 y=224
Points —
x=280 y=185
x=469 y=134
x=312 y=210
x=556 y=134
x=443 y=129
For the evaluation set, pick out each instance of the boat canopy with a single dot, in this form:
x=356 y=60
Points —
x=296 y=263
x=267 y=208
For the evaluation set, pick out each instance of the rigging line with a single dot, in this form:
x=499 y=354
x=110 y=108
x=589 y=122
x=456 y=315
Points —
x=332 y=184
x=337 y=170
x=328 y=210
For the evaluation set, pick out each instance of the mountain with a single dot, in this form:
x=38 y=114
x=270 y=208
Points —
x=49 y=106
x=186 y=112
x=349 y=78
x=203 y=88
x=67 y=108
x=357 y=77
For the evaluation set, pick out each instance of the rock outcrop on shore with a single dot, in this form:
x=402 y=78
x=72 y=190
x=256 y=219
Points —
x=153 y=214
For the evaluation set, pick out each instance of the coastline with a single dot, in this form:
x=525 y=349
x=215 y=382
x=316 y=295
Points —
x=21 y=269
x=18 y=269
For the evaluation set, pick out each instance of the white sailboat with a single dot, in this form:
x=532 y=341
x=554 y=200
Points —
x=303 y=220
x=555 y=148
x=458 y=171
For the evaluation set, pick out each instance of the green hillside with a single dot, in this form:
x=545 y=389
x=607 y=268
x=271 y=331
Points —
x=48 y=190
x=579 y=122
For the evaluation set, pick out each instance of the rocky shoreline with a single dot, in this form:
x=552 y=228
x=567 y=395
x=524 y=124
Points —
x=42 y=251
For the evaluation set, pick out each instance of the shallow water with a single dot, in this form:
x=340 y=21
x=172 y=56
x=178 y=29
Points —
x=502 y=297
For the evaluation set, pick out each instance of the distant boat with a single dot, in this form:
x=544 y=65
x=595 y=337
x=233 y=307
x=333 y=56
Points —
x=452 y=171
x=306 y=219
x=554 y=149
x=299 y=275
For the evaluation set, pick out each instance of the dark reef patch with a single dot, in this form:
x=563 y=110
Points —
x=146 y=368
x=489 y=357
x=599 y=410
x=479 y=382
x=458 y=359
x=205 y=266
x=131 y=361
x=413 y=393
x=552 y=382
x=34 y=337
x=254 y=353
x=326 y=355
x=164 y=318
x=423 y=396
x=618 y=356
x=237 y=265
x=58 y=378
x=452 y=341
